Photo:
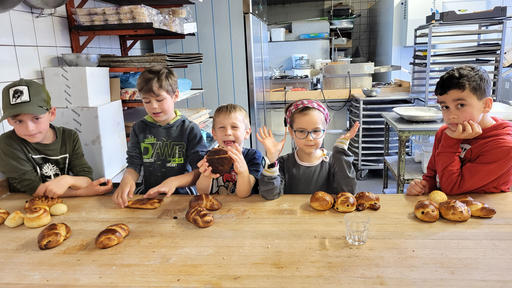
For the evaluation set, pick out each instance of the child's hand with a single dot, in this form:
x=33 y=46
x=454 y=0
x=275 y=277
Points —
x=166 y=187
x=272 y=147
x=123 y=192
x=417 y=187
x=57 y=186
x=351 y=133
x=206 y=170
x=95 y=188
x=238 y=159
x=465 y=130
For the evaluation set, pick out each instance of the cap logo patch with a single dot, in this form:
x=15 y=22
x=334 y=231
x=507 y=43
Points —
x=19 y=94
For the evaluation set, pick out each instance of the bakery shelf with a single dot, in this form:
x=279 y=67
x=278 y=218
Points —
x=136 y=69
x=183 y=96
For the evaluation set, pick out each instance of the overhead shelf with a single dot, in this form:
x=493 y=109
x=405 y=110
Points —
x=183 y=96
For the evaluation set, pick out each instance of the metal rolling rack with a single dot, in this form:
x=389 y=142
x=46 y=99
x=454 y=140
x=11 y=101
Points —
x=440 y=46
x=368 y=144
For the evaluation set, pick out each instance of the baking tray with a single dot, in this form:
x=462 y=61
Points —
x=496 y=12
x=419 y=114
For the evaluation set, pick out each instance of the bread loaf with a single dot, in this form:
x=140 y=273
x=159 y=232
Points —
x=427 y=211
x=112 y=235
x=204 y=200
x=478 y=209
x=53 y=235
x=3 y=215
x=200 y=217
x=345 y=202
x=58 y=209
x=454 y=210
x=37 y=216
x=42 y=201
x=145 y=203
x=15 y=219
x=437 y=196
x=367 y=200
x=219 y=160
x=321 y=201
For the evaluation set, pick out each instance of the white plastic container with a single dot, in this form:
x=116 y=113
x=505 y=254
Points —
x=419 y=142
x=277 y=34
x=425 y=157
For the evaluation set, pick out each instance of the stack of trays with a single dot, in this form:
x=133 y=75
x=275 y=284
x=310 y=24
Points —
x=150 y=59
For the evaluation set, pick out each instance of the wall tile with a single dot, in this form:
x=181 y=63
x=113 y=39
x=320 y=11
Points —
x=48 y=57
x=22 y=7
x=60 y=11
x=28 y=61
x=9 y=68
x=23 y=28
x=45 y=34
x=114 y=41
x=95 y=50
x=60 y=25
x=106 y=50
x=116 y=51
x=104 y=41
x=6 y=36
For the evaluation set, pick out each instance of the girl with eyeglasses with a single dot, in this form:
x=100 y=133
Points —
x=309 y=168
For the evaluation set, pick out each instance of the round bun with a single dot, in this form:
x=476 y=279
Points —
x=367 y=200
x=53 y=235
x=58 y=209
x=219 y=160
x=454 y=210
x=200 y=217
x=205 y=200
x=437 y=196
x=42 y=201
x=345 y=202
x=15 y=219
x=37 y=216
x=478 y=209
x=427 y=211
x=321 y=201
x=3 y=215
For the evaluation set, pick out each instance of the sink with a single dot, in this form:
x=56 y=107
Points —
x=501 y=110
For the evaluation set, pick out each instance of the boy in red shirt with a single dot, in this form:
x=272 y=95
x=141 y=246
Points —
x=473 y=151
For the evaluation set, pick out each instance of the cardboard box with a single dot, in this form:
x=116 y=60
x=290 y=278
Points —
x=115 y=89
x=77 y=86
x=102 y=133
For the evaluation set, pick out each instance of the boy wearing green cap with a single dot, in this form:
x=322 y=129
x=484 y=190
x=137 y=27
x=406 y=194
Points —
x=38 y=158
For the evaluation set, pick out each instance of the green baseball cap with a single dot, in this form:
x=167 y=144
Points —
x=25 y=96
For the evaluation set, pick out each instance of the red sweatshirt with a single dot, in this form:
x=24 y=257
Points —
x=481 y=164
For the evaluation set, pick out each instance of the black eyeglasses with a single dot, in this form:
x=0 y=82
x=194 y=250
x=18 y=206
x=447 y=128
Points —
x=303 y=134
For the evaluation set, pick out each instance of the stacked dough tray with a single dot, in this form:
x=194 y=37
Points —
x=368 y=144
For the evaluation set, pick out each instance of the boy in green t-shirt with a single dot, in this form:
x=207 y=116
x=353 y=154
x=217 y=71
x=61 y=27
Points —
x=38 y=158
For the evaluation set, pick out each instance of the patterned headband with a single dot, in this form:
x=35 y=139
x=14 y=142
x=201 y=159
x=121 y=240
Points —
x=308 y=103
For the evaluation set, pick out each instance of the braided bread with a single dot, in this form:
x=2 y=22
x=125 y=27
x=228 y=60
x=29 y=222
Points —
x=53 y=235
x=37 y=216
x=427 y=211
x=204 y=200
x=454 y=210
x=478 y=209
x=367 y=200
x=321 y=201
x=200 y=217
x=42 y=201
x=219 y=160
x=15 y=219
x=345 y=202
x=145 y=203
x=112 y=235
x=3 y=215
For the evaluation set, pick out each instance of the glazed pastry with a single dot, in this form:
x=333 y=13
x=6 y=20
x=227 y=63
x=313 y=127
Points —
x=345 y=202
x=145 y=203
x=204 y=200
x=437 y=196
x=427 y=211
x=112 y=235
x=15 y=219
x=219 y=160
x=454 y=210
x=321 y=201
x=53 y=235
x=367 y=200
x=478 y=209
x=3 y=215
x=200 y=217
x=37 y=216
x=42 y=201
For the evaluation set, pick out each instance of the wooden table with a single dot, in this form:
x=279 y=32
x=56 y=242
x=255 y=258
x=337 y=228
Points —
x=259 y=243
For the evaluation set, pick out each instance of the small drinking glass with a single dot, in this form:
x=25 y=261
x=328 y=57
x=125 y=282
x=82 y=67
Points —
x=356 y=228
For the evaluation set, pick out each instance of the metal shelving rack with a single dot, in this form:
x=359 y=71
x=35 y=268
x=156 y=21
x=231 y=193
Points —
x=440 y=46
x=368 y=144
